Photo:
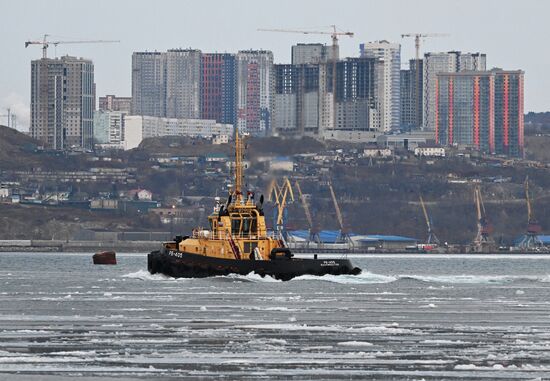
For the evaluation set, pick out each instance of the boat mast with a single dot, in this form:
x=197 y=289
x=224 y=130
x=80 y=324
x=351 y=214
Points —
x=238 y=167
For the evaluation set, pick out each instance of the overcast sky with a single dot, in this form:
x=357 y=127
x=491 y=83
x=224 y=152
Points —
x=513 y=33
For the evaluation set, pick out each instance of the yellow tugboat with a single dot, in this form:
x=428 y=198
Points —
x=237 y=241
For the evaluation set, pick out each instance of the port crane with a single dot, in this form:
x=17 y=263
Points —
x=417 y=37
x=530 y=240
x=483 y=240
x=279 y=194
x=344 y=235
x=46 y=43
x=432 y=238
x=313 y=232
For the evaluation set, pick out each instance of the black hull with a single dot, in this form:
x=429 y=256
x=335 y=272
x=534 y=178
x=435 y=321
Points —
x=185 y=265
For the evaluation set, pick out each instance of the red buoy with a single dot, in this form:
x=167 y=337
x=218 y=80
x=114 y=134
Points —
x=105 y=258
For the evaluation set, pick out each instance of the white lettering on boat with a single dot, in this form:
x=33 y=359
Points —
x=329 y=263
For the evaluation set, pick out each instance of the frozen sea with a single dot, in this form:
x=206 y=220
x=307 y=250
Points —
x=406 y=317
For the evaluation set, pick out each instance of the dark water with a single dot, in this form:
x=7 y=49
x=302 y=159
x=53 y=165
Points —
x=407 y=317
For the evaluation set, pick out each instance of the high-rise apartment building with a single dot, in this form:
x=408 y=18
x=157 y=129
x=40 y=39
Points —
x=313 y=54
x=183 y=78
x=509 y=112
x=149 y=83
x=114 y=103
x=62 y=102
x=359 y=94
x=448 y=62
x=483 y=110
x=411 y=96
x=218 y=87
x=255 y=84
x=297 y=97
x=390 y=56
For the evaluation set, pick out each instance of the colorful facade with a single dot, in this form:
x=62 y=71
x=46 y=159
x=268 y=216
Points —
x=483 y=110
x=218 y=87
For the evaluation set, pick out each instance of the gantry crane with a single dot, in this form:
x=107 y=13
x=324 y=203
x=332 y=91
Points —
x=334 y=34
x=483 y=240
x=45 y=43
x=418 y=90
x=313 y=232
x=344 y=234
x=432 y=238
x=279 y=195
x=531 y=239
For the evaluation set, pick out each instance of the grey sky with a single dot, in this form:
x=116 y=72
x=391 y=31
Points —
x=513 y=33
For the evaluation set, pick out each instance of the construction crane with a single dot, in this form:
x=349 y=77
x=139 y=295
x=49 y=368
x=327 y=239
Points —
x=530 y=240
x=11 y=118
x=45 y=43
x=432 y=238
x=417 y=37
x=334 y=34
x=313 y=233
x=483 y=240
x=344 y=235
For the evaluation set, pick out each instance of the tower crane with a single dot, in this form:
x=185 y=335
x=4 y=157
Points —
x=11 y=118
x=46 y=43
x=344 y=235
x=483 y=239
x=432 y=238
x=531 y=239
x=313 y=233
x=334 y=34
x=417 y=37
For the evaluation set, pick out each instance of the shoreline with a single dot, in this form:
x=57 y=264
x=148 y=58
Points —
x=58 y=246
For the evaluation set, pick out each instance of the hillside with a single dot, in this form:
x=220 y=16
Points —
x=21 y=152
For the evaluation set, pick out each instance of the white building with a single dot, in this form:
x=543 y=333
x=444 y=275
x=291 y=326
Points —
x=109 y=129
x=138 y=128
x=390 y=55
x=429 y=151
x=377 y=152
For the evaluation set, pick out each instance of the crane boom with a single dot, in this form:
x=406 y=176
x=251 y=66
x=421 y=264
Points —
x=305 y=205
x=336 y=207
x=45 y=43
x=477 y=199
x=426 y=217
x=527 y=198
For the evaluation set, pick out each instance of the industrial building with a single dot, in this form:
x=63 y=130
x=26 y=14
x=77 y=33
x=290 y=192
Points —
x=62 y=102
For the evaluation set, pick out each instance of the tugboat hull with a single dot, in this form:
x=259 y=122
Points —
x=185 y=265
